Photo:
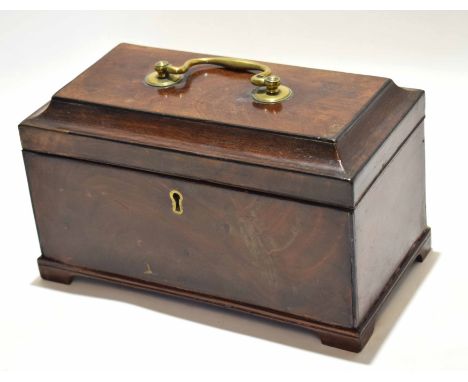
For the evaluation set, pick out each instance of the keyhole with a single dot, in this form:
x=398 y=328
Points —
x=176 y=199
x=177 y=204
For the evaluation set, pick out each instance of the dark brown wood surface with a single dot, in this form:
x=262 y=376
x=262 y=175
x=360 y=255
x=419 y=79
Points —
x=388 y=221
x=233 y=157
x=264 y=251
x=323 y=105
x=255 y=145
x=353 y=339
x=306 y=212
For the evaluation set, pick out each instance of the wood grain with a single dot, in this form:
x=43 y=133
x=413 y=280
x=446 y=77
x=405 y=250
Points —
x=323 y=104
x=388 y=220
x=306 y=212
x=238 y=143
x=268 y=252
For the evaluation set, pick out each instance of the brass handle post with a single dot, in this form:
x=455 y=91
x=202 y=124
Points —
x=268 y=86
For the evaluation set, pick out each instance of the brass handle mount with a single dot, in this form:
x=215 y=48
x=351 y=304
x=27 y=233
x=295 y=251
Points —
x=268 y=86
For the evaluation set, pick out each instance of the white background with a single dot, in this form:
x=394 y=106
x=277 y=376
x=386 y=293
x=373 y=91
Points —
x=47 y=327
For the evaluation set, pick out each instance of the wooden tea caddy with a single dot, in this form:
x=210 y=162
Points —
x=300 y=199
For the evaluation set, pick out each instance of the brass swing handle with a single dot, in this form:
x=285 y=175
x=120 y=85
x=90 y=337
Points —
x=268 y=90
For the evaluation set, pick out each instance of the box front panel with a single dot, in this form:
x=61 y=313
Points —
x=273 y=253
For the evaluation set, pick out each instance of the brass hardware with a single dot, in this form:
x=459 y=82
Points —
x=269 y=88
x=176 y=199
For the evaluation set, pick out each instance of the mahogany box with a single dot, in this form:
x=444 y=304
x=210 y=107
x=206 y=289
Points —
x=300 y=199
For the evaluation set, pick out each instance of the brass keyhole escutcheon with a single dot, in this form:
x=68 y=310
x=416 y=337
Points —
x=176 y=199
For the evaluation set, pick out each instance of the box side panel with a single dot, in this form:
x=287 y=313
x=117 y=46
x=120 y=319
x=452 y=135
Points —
x=388 y=220
x=273 y=253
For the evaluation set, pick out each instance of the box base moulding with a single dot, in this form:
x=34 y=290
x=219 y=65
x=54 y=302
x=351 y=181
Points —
x=351 y=339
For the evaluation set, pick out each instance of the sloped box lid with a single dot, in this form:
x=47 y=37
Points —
x=325 y=144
